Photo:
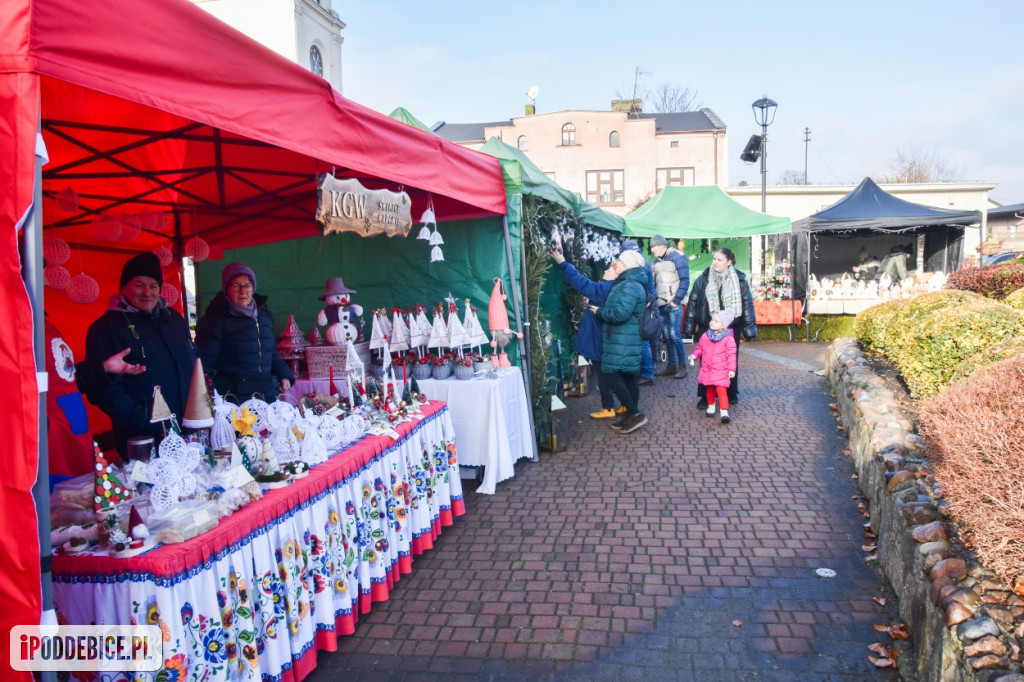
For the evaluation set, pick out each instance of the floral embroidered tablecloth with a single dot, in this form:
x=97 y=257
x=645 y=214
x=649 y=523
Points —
x=256 y=597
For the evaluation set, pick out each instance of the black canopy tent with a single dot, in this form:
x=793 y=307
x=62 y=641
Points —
x=870 y=218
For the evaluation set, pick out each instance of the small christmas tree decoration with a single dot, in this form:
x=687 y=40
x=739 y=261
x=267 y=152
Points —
x=407 y=392
x=292 y=346
x=109 y=491
x=161 y=411
x=316 y=338
x=198 y=413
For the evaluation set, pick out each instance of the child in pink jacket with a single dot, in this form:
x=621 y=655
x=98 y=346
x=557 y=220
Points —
x=717 y=351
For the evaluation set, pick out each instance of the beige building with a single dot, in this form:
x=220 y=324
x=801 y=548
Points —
x=308 y=32
x=614 y=159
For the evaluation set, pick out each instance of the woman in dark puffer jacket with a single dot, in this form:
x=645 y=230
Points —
x=700 y=308
x=235 y=340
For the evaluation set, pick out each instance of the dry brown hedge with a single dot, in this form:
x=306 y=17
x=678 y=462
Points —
x=975 y=432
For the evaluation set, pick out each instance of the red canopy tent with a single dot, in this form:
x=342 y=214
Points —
x=160 y=107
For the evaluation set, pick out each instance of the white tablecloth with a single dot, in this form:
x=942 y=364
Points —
x=491 y=421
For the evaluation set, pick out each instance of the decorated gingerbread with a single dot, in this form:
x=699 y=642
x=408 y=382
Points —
x=340 y=314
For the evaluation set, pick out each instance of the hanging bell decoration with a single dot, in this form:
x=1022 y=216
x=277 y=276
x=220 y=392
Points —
x=197 y=249
x=83 y=289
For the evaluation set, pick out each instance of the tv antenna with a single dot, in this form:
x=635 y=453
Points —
x=636 y=84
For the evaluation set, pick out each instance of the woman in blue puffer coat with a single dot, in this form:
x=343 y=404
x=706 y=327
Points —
x=235 y=340
x=620 y=315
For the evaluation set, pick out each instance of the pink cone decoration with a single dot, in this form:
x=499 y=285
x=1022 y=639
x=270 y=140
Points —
x=164 y=254
x=56 y=276
x=55 y=251
x=83 y=289
x=130 y=226
x=67 y=199
x=197 y=249
x=106 y=227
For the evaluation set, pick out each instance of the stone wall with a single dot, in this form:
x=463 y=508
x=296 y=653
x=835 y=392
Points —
x=965 y=624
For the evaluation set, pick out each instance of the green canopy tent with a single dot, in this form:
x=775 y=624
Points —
x=402 y=114
x=703 y=213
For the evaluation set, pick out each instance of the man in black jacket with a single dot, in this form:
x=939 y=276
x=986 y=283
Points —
x=139 y=343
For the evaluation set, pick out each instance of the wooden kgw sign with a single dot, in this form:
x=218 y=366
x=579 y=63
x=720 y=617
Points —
x=347 y=206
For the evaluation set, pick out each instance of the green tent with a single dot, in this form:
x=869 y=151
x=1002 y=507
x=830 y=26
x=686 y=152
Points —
x=700 y=213
x=402 y=114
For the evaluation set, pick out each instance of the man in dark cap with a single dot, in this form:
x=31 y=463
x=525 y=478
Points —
x=137 y=344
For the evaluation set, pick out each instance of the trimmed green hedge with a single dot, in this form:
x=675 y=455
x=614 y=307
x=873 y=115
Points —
x=932 y=338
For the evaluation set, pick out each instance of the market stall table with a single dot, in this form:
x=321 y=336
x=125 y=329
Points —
x=491 y=420
x=257 y=596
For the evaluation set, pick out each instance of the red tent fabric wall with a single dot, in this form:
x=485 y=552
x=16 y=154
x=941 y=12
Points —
x=91 y=70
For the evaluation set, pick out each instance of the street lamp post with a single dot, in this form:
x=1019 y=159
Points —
x=764 y=114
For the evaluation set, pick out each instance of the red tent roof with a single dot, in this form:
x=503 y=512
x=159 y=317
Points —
x=162 y=106
x=159 y=106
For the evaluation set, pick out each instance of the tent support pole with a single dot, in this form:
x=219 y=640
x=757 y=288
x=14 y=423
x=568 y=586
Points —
x=33 y=275
x=519 y=323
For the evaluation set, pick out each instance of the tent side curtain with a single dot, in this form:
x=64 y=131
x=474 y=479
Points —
x=700 y=212
x=870 y=207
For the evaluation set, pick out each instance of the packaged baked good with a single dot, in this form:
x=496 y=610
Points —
x=184 y=521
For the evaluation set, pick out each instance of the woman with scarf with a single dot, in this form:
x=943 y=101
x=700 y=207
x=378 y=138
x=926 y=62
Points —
x=720 y=287
x=235 y=340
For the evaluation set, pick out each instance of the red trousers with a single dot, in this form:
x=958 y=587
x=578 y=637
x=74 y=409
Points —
x=723 y=396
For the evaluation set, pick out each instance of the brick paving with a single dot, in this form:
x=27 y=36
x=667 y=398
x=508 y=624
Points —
x=629 y=557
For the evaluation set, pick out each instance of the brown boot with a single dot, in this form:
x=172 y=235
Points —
x=667 y=372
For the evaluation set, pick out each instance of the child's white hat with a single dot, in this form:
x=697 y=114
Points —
x=725 y=317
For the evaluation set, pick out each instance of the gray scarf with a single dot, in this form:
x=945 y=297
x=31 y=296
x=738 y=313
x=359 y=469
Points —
x=723 y=292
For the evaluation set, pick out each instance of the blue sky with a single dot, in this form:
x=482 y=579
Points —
x=869 y=78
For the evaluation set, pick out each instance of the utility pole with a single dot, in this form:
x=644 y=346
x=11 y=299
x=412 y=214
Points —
x=807 y=138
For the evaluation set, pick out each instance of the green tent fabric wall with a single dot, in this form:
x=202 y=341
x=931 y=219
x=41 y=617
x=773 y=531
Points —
x=384 y=272
x=700 y=212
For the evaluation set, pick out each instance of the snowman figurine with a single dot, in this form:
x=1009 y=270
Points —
x=340 y=314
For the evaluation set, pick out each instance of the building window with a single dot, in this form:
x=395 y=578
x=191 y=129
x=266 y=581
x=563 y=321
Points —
x=674 y=176
x=523 y=144
x=316 y=61
x=568 y=135
x=674 y=144
x=613 y=138
x=606 y=187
